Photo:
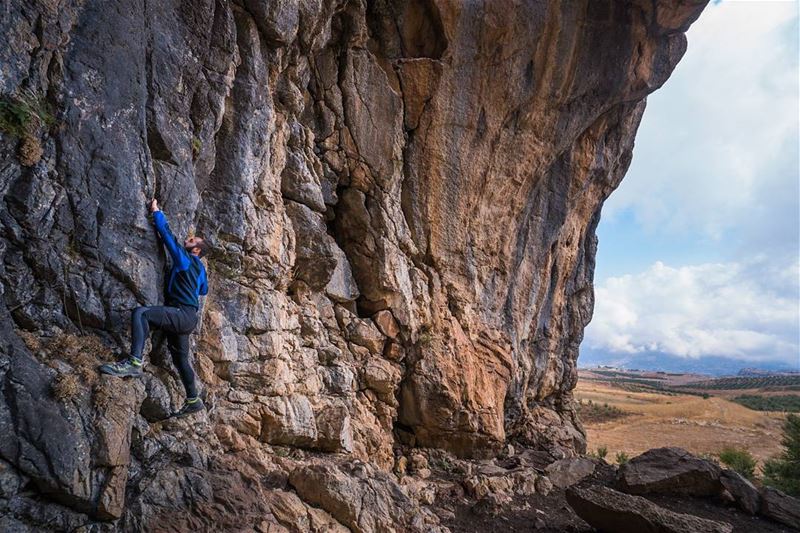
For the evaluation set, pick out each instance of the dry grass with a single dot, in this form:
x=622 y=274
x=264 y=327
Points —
x=702 y=426
x=30 y=150
x=26 y=116
x=82 y=352
x=33 y=342
x=65 y=387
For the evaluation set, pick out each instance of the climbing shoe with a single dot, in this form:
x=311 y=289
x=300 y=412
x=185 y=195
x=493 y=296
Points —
x=126 y=367
x=192 y=405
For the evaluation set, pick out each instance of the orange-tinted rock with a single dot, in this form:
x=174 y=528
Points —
x=386 y=323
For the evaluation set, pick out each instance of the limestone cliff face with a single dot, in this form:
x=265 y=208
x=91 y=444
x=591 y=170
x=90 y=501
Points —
x=402 y=197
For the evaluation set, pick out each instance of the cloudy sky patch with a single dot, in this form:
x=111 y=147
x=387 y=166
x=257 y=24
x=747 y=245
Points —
x=699 y=246
x=713 y=309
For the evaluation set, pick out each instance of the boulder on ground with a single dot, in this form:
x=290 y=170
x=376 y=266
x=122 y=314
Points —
x=480 y=485
x=543 y=486
x=569 y=471
x=781 y=507
x=491 y=504
x=744 y=493
x=609 y=510
x=669 y=471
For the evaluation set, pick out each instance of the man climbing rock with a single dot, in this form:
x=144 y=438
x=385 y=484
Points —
x=177 y=319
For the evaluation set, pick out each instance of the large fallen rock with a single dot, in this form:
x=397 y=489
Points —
x=780 y=507
x=669 y=471
x=744 y=493
x=362 y=497
x=609 y=510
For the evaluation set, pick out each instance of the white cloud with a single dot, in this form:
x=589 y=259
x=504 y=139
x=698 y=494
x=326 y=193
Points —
x=742 y=310
x=717 y=152
x=716 y=167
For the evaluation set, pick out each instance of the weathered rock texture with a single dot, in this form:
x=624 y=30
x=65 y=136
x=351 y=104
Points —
x=674 y=471
x=669 y=470
x=609 y=510
x=402 y=196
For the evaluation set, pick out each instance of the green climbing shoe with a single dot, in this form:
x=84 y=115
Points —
x=121 y=369
x=190 y=406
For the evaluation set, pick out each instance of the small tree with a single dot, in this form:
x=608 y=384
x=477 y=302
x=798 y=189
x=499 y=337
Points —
x=783 y=472
x=739 y=460
x=622 y=458
x=602 y=451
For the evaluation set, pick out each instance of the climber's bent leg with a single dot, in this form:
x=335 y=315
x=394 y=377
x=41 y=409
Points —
x=140 y=331
x=164 y=317
x=142 y=318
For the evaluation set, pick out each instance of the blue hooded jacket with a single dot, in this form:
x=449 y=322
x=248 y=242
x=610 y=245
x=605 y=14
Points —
x=187 y=276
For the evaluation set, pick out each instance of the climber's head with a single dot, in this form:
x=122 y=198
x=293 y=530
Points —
x=196 y=246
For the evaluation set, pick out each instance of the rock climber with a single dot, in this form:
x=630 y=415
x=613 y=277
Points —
x=177 y=319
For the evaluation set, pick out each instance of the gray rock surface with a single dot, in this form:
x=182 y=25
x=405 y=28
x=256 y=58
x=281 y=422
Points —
x=568 y=472
x=669 y=471
x=613 y=511
x=743 y=492
x=780 y=507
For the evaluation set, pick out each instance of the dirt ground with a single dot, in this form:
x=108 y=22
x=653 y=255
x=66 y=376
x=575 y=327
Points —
x=691 y=422
x=544 y=514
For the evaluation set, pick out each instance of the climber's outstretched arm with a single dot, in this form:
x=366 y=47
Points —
x=180 y=259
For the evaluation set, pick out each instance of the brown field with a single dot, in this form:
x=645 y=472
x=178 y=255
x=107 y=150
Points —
x=702 y=426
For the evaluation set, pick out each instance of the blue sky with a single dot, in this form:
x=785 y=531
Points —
x=699 y=247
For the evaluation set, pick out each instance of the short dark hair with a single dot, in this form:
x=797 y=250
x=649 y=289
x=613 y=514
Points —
x=204 y=247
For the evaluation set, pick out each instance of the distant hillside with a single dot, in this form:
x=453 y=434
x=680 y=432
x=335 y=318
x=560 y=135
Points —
x=755 y=372
x=656 y=361
x=776 y=381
